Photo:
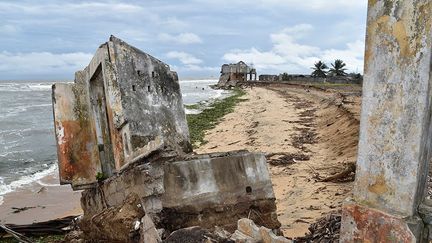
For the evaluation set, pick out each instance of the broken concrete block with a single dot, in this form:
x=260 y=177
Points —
x=221 y=233
x=193 y=234
x=115 y=224
x=249 y=228
x=122 y=107
x=202 y=190
x=149 y=233
x=268 y=236
x=240 y=237
x=146 y=181
x=217 y=190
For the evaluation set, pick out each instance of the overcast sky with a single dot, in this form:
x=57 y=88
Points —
x=50 y=40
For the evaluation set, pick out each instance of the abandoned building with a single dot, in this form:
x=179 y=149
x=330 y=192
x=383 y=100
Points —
x=122 y=135
x=237 y=72
x=122 y=107
x=268 y=77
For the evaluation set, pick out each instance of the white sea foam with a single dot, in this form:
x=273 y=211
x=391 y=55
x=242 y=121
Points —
x=19 y=87
x=5 y=154
x=199 y=81
x=17 y=110
x=25 y=180
x=39 y=87
x=191 y=111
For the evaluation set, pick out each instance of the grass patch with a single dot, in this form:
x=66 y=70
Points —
x=193 y=107
x=210 y=117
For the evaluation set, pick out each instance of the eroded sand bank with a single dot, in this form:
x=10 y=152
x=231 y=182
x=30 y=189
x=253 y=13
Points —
x=312 y=133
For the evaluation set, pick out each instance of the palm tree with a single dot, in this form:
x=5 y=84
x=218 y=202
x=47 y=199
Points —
x=338 y=68
x=319 y=69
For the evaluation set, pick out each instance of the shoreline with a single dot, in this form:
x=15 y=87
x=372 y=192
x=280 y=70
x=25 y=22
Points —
x=274 y=120
x=45 y=199
x=39 y=202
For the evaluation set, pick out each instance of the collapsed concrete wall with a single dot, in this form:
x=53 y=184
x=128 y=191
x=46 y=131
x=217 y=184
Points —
x=203 y=190
x=213 y=189
x=122 y=135
x=124 y=105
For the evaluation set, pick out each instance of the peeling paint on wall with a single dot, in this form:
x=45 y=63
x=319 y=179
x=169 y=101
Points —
x=124 y=105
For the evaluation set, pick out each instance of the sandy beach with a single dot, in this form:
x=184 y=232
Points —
x=39 y=202
x=306 y=133
x=295 y=122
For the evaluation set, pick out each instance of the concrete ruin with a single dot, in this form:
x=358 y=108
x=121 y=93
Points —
x=233 y=73
x=123 y=106
x=122 y=136
x=201 y=190
x=389 y=202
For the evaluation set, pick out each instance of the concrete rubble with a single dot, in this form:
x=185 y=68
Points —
x=122 y=136
x=247 y=232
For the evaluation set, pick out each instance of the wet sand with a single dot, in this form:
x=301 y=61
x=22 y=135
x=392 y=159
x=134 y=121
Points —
x=40 y=202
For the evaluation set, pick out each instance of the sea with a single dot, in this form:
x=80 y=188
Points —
x=27 y=143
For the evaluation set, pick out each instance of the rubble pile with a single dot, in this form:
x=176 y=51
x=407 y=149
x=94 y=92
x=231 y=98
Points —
x=247 y=232
x=122 y=136
x=326 y=229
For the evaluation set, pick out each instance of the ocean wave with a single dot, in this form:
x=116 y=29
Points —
x=199 y=81
x=5 y=154
x=25 y=180
x=191 y=111
x=12 y=138
x=17 y=110
x=20 y=87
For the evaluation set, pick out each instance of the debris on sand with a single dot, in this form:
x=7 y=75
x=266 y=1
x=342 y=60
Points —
x=325 y=230
x=347 y=175
x=247 y=231
x=286 y=158
x=308 y=113
x=19 y=210
x=305 y=137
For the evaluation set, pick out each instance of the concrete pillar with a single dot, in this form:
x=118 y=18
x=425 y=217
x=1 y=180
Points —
x=395 y=130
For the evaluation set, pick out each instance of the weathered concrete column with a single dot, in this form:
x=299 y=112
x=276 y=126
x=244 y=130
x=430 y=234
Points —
x=395 y=130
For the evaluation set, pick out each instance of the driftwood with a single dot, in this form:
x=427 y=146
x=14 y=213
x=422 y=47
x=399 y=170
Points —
x=346 y=175
x=56 y=226
x=16 y=235
x=325 y=230
x=286 y=158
